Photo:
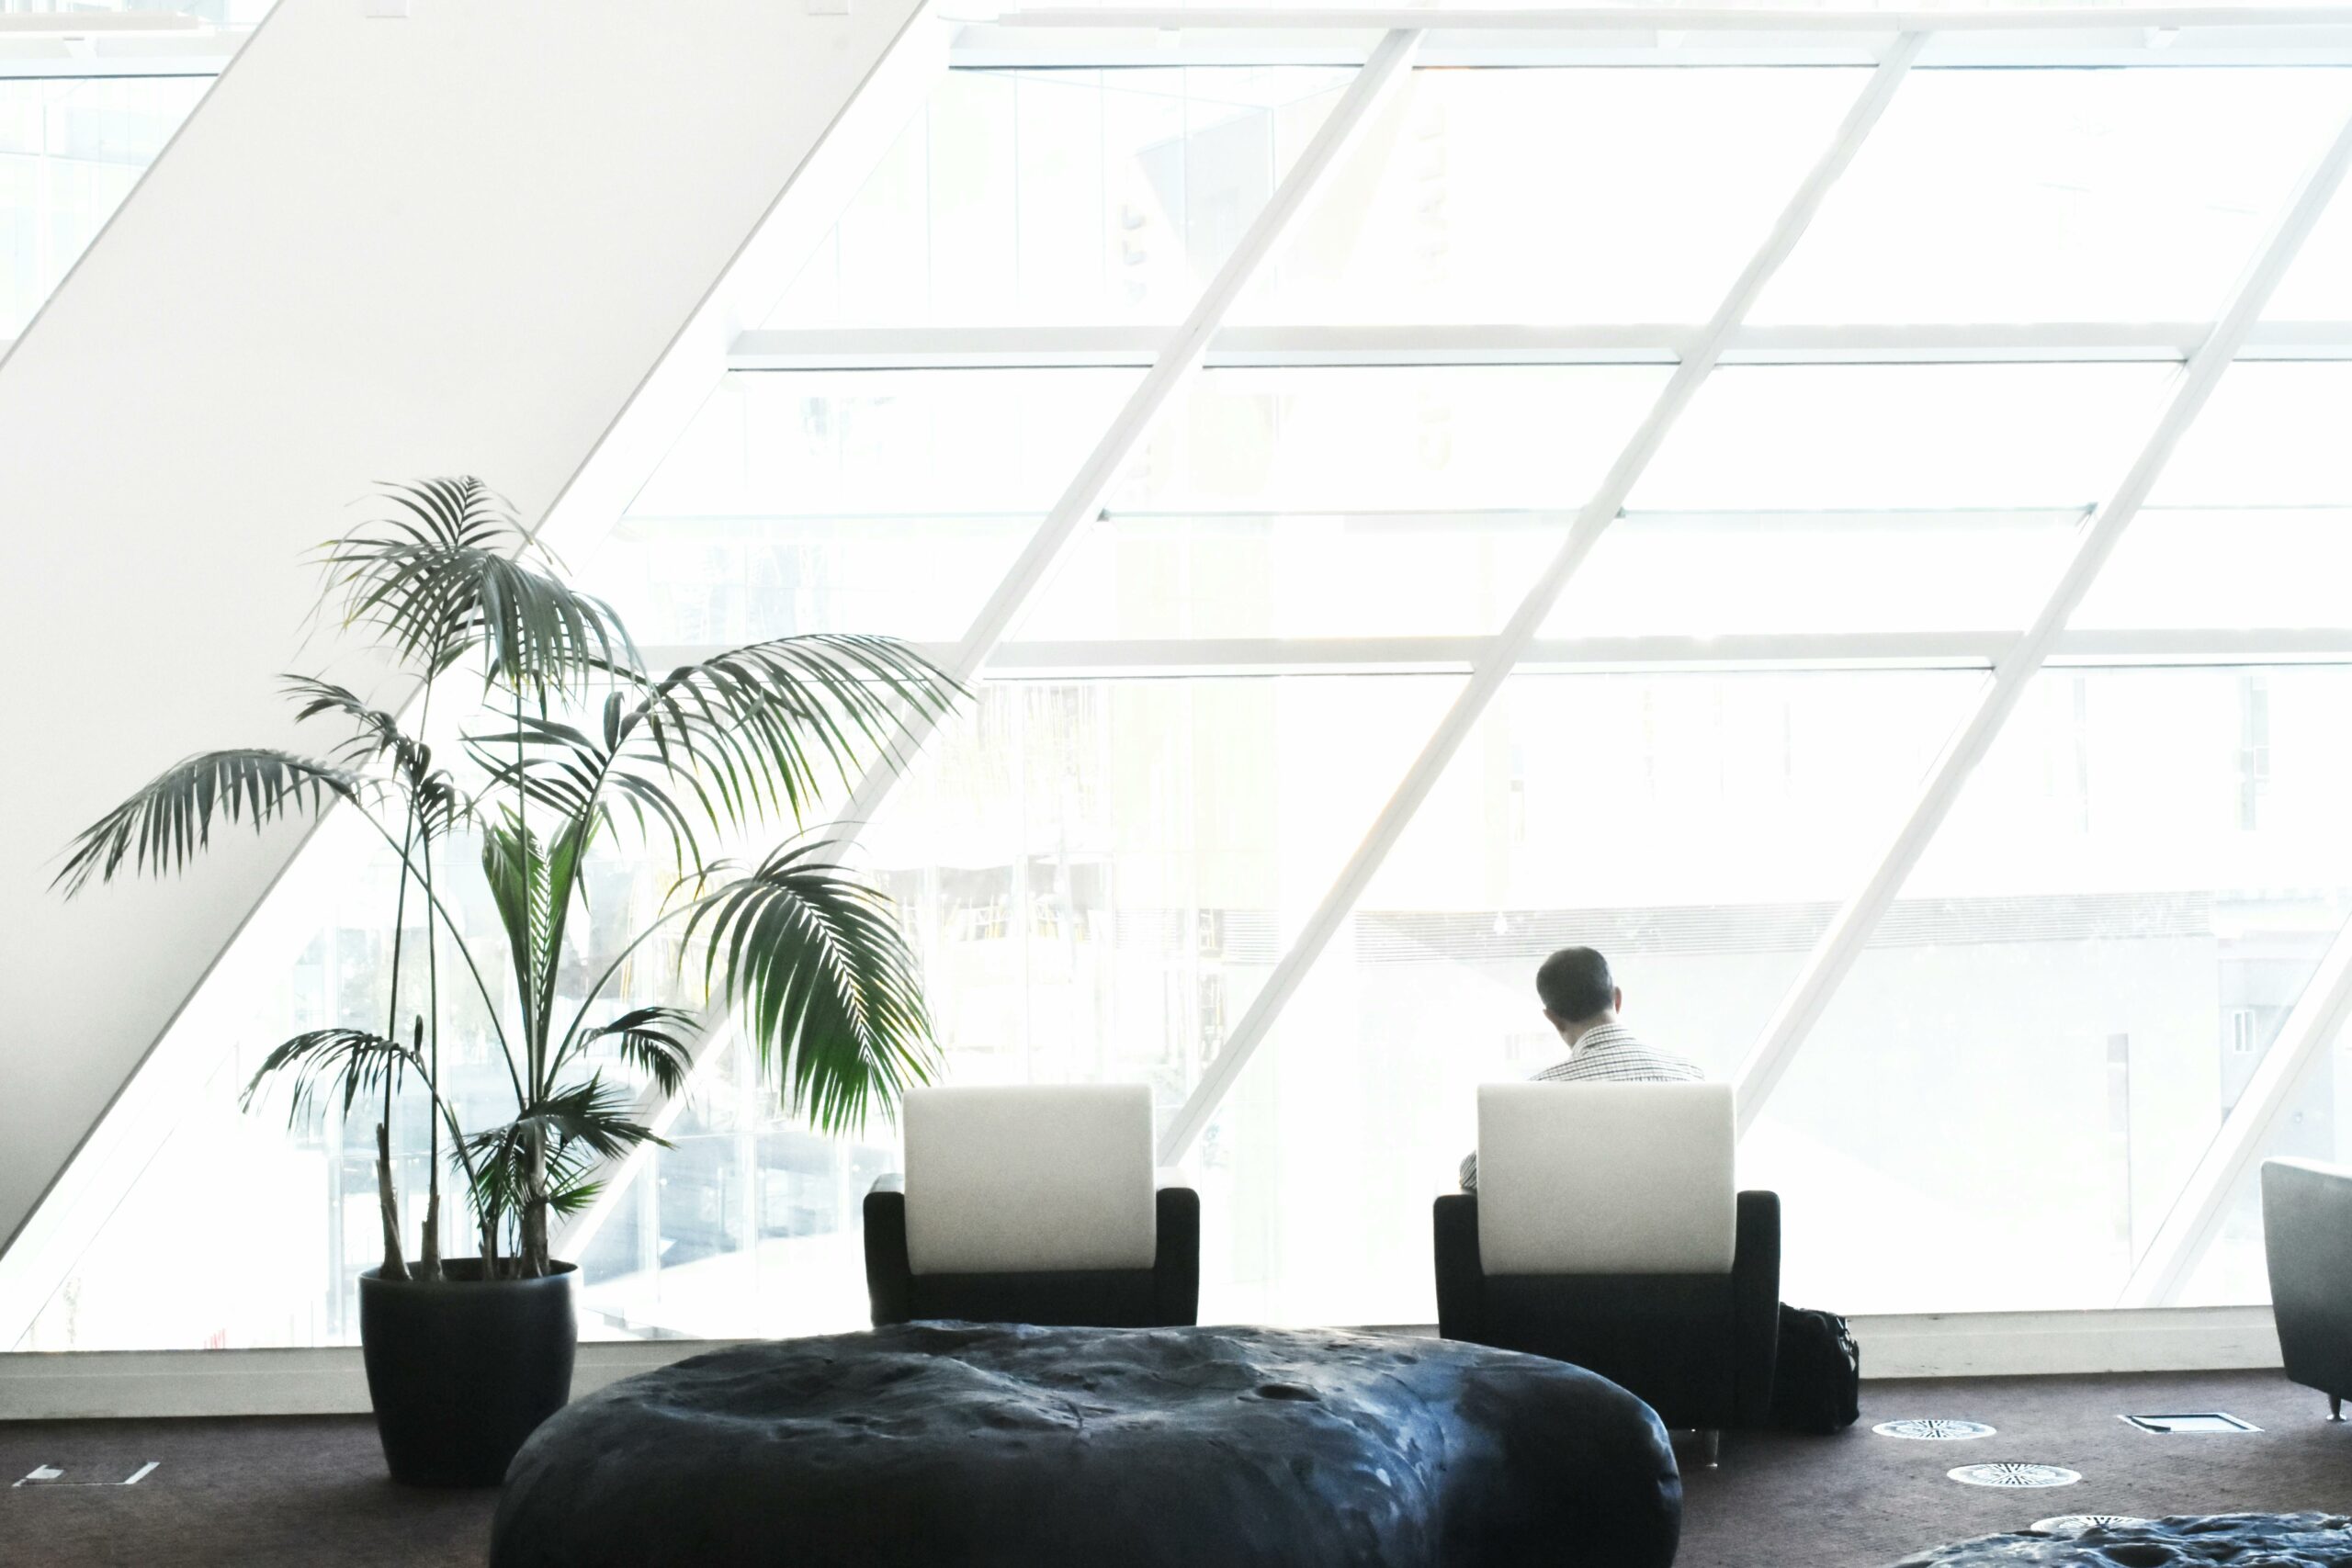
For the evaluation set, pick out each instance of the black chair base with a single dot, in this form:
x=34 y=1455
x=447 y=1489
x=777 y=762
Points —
x=1699 y=1347
x=1166 y=1295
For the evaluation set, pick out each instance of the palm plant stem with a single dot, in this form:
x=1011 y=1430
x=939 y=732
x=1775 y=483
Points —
x=386 y=1197
x=429 y=1243
x=489 y=1003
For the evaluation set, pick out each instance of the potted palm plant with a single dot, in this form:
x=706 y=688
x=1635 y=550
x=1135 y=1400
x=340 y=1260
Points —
x=576 y=747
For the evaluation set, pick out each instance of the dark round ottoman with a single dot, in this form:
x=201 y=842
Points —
x=960 y=1444
x=2247 y=1540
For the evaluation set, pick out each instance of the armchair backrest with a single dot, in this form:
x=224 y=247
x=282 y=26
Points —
x=1029 y=1179
x=1606 y=1179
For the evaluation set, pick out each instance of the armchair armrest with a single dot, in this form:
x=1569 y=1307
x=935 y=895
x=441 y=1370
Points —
x=1460 y=1277
x=1176 y=1258
x=1756 y=1305
x=889 y=1276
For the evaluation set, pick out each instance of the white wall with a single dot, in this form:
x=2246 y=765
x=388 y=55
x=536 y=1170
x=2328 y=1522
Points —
x=381 y=249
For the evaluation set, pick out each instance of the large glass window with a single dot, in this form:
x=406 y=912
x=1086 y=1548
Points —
x=1216 y=685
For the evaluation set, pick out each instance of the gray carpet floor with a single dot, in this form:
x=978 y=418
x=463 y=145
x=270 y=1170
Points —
x=299 y=1492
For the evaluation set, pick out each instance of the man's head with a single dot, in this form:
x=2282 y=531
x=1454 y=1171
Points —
x=1577 y=989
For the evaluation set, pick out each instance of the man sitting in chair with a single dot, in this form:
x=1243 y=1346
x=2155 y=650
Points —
x=1581 y=1000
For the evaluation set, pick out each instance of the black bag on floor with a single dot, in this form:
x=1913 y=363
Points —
x=1817 y=1386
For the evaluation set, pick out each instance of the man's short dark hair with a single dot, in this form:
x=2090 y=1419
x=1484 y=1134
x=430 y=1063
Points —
x=1574 y=984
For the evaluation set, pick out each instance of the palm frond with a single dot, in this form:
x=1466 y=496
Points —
x=756 y=731
x=355 y=1061
x=374 y=733
x=169 y=821
x=450 y=569
x=592 y=1117
x=821 y=976
x=436 y=794
x=501 y=1186
x=655 y=1038
x=553 y=764
x=517 y=867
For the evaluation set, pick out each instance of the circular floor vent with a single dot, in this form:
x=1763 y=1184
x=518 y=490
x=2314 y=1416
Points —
x=2076 y=1524
x=1933 y=1429
x=2014 y=1475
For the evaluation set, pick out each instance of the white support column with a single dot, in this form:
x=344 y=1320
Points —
x=1081 y=501
x=2204 y=1202
x=1841 y=945
x=1504 y=654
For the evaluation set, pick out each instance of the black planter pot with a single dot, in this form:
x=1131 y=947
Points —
x=462 y=1372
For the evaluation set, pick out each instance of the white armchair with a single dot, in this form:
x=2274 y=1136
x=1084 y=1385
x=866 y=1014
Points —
x=1608 y=1231
x=1032 y=1204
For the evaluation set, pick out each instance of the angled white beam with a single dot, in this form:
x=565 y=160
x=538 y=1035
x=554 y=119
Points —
x=1841 y=945
x=1081 y=500
x=1521 y=631
x=1056 y=347
x=2188 y=1227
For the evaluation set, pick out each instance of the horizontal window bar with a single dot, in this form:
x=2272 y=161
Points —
x=1149 y=658
x=983 y=46
x=1678 y=19
x=1075 y=347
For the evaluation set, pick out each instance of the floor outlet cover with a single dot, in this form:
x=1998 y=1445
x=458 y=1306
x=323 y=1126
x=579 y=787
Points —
x=2190 y=1421
x=2076 y=1524
x=2016 y=1475
x=49 y=1475
x=1933 y=1429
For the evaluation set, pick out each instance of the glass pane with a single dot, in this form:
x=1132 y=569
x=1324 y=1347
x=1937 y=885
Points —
x=1237 y=575
x=70 y=151
x=1723 y=573
x=1863 y=437
x=2248 y=525
x=2038 y=1044
x=801 y=502
x=2272 y=436
x=1289 y=503
x=1062 y=195
x=2058 y=195
x=2318 y=286
x=2225 y=569
x=1418 y=439
x=1554 y=196
x=1100 y=875
x=1698 y=829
